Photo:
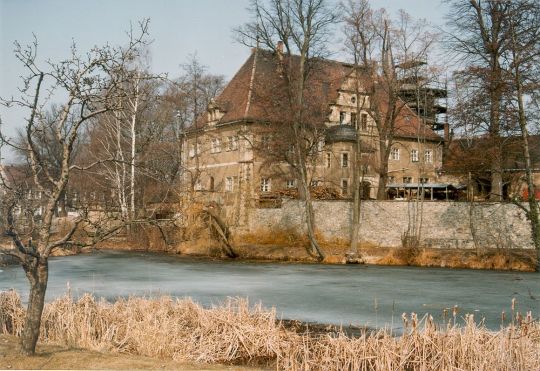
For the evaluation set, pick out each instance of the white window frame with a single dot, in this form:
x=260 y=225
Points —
x=424 y=180
x=216 y=146
x=363 y=121
x=394 y=153
x=291 y=183
x=414 y=155
x=344 y=159
x=229 y=184
x=428 y=156
x=407 y=179
x=342 y=117
x=266 y=184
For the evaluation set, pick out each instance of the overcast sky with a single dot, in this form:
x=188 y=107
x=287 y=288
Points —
x=179 y=29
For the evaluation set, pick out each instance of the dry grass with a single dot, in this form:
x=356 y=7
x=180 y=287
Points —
x=59 y=357
x=234 y=332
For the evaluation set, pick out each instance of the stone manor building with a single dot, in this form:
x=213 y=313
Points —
x=228 y=150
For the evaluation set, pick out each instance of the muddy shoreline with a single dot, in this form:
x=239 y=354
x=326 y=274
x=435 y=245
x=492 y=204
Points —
x=487 y=259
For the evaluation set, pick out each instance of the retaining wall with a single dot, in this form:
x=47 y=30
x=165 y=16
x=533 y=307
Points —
x=383 y=223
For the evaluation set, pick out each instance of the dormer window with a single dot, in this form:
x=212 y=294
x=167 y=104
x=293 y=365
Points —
x=214 y=113
x=342 y=116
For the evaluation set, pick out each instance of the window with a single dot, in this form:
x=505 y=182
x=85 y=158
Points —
x=192 y=150
x=229 y=184
x=328 y=159
x=265 y=141
x=320 y=145
x=211 y=184
x=291 y=183
x=342 y=116
x=265 y=184
x=428 y=156
x=344 y=187
x=232 y=143
x=363 y=121
x=407 y=179
x=391 y=179
x=216 y=146
x=394 y=153
x=314 y=183
x=414 y=155
x=353 y=120
x=345 y=159
x=353 y=99
x=424 y=180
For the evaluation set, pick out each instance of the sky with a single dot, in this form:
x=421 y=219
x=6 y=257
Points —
x=178 y=28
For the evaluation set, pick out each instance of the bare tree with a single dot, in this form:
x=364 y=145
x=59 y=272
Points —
x=480 y=36
x=302 y=28
x=523 y=20
x=91 y=85
x=359 y=42
x=193 y=93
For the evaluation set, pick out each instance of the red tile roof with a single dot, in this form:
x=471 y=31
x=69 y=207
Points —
x=253 y=94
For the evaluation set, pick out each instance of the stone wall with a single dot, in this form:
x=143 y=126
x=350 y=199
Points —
x=444 y=224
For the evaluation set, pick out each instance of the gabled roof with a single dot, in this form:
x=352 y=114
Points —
x=256 y=92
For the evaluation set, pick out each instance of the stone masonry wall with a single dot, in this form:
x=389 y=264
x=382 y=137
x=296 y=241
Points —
x=383 y=223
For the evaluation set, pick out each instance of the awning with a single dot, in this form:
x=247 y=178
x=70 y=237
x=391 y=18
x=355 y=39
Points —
x=424 y=185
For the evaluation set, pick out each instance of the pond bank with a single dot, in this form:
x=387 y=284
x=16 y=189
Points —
x=523 y=260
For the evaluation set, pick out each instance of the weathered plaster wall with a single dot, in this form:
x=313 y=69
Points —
x=444 y=224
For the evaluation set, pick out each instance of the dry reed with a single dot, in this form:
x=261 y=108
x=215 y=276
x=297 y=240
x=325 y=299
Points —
x=235 y=332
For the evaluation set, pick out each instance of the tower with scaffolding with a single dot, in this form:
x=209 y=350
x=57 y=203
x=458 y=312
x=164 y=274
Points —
x=426 y=96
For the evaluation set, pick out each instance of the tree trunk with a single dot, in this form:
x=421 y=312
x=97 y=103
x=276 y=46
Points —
x=533 y=213
x=38 y=274
x=383 y=179
x=496 y=193
x=495 y=93
x=356 y=198
x=310 y=220
x=315 y=249
x=135 y=107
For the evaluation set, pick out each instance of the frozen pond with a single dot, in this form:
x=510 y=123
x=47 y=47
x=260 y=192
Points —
x=342 y=294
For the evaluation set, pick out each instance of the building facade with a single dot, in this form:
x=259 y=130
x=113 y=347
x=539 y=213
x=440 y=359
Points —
x=231 y=152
